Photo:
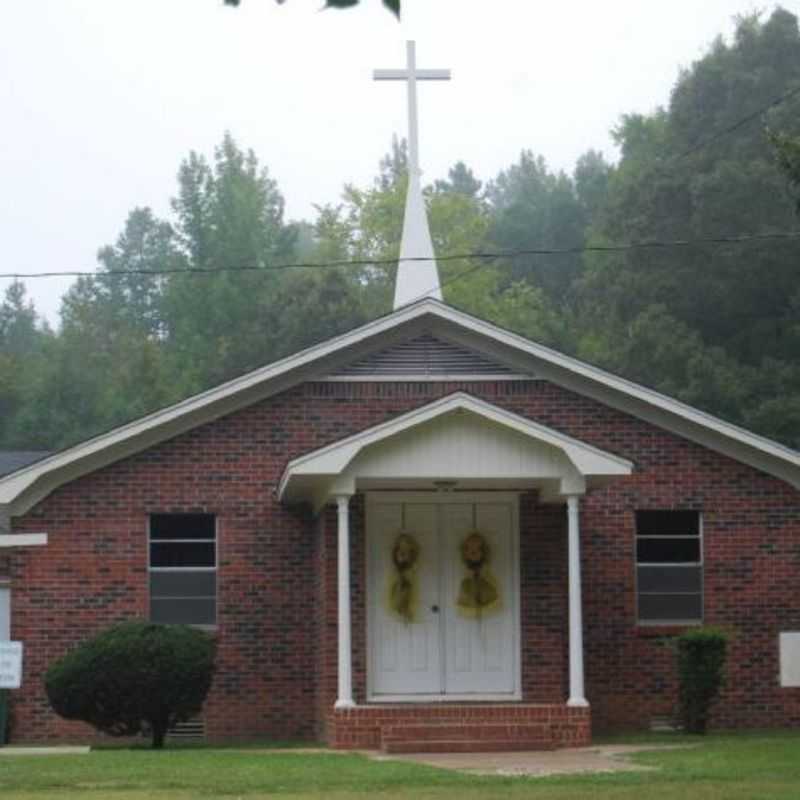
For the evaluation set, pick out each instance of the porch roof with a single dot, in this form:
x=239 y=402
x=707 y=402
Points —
x=458 y=438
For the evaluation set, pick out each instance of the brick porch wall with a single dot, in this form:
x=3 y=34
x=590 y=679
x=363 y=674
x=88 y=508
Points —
x=275 y=628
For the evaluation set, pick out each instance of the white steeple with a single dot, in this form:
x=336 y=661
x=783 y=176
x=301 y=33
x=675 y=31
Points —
x=418 y=278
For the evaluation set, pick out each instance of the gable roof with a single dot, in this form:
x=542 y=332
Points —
x=22 y=489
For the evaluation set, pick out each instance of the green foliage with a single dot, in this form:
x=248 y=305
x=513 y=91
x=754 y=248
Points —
x=787 y=154
x=392 y=5
x=701 y=665
x=533 y=208
x=726 y=330
x=134 y=677
x=228 y=214
x=24 y=341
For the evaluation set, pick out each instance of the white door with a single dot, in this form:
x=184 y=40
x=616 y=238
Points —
x=405 y=655
x=480 y=652
x=444 y=650
x=5 y=613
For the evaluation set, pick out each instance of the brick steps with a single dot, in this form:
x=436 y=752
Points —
x=465 y=737
x=459 y=728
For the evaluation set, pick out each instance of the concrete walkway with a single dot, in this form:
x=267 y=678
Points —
x=571 y=760
x=42 y=751
x=539 y=763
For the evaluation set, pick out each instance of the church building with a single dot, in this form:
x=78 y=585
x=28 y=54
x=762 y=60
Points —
x=428 y=533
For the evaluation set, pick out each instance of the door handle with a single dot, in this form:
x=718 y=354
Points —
x=435 y=609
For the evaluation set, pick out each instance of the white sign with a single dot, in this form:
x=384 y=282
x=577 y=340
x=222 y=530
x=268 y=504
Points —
x=790 y=659
x=10 y=665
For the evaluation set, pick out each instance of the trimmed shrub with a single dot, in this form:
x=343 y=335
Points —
x=134 y=677
x=701 y=663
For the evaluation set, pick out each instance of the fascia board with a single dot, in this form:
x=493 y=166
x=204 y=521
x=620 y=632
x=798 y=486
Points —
x=631 y=398
x=22 y=489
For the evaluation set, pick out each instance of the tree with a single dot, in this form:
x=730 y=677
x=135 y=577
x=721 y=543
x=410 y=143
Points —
x=787 y=154
x=392 y=5
x=19 y=332
x=460 y=180
x=23 y=339
x=107 y=365
x=691 y=171
x=134 y=677
x=533 y=208
x=591 y=177
x=220 y=316
x=129 y=284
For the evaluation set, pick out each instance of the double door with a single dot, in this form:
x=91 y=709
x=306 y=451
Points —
x=449 y=643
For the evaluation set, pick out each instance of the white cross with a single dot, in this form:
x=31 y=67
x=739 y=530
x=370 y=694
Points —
x=412 y=75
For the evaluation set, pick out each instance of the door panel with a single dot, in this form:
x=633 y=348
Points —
x=480 y=651
x=406 y=657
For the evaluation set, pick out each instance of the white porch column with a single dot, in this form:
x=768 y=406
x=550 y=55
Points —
x=576 y=690
x=345 y=695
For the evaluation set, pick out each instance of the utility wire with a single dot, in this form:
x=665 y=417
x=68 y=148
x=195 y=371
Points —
x=452 y=279
x=653 y=244
x=465 y=256
x=738 y=124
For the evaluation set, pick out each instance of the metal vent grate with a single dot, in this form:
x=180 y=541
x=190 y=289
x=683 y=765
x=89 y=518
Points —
x=425 y=355
x=193 y=730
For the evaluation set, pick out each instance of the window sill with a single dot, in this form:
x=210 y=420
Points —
x=206 y=628
x=655 y=630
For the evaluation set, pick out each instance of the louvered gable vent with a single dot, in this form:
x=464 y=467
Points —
x=425 y=355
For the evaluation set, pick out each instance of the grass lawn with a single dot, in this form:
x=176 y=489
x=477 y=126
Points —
x=733 y=767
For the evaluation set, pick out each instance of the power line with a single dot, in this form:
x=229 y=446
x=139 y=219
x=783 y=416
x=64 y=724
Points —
x=452 y=279
x=467 y=256
x=738 y=124
x=676 y=243
x=653 y=244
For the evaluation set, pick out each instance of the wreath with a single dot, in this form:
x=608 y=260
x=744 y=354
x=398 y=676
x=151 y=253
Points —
x=403 y=591
x=478 y=593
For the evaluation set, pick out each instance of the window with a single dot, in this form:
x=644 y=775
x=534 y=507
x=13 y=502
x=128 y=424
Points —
x=183 y=569
x=669 y=567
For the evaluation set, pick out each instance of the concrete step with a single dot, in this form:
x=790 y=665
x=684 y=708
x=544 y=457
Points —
x=465 y=737
x=466 y=746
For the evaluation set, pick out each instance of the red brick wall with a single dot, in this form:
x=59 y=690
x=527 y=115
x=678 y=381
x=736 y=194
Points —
x=277 y=576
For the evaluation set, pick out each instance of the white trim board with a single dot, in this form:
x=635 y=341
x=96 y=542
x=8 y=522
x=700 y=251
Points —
x=23 y=540
x=22 y=489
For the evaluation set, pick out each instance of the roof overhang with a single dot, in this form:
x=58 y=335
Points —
x=22 y=489
x=459 y=439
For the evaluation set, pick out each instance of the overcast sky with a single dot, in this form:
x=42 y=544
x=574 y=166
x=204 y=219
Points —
x=101 y=99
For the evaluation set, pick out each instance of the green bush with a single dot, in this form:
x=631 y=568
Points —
x=701 y=663
x=134 y=677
